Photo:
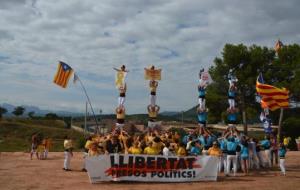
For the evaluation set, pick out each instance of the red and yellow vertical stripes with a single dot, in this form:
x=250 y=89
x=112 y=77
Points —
x=63 y=74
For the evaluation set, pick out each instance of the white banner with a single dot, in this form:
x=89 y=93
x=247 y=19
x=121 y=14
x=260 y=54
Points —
x=151 y=168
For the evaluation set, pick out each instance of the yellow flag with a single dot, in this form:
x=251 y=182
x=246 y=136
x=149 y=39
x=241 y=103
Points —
x=120 y=79
x=152 y=74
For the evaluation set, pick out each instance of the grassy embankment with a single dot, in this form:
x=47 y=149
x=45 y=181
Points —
x=15 y=134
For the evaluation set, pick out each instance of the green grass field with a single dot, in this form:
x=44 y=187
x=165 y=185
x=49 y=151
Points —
x=15 y=134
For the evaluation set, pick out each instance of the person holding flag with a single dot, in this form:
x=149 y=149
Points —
x=121 y=84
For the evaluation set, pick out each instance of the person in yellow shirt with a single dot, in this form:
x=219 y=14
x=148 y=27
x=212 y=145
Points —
x=94 y=151
x=217 y=152
x=158 y=144
x=150 y=150
x=87 y=147
x=68 y=146
x=286 y=141
x=181 y=150
x=152 y=112
x=153 y=86
x=135 y=149
x=40 y=150
x=120 y=112
x=48 y=144
x=214 y=150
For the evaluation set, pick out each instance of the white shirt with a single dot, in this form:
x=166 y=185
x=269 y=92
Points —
x=166 y=152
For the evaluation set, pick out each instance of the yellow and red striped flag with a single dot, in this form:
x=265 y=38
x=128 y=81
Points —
x=271 y=96
x=63 y=74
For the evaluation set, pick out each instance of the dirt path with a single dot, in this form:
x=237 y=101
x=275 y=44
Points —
x=18 y=172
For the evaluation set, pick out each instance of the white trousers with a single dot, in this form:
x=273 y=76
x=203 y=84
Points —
x=253 y=161
x=153 y=100
x=46 y=153
x=201 y=103
x=84 y=156
x=223 y=163
x=282 y=165
x=67 y=160
x=231 y=103
x=231 y=159
x=260 y=156
x=121 y=101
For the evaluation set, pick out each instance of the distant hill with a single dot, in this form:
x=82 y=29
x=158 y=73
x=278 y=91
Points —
x=169 y=113
x=16 y=134
x=37 y=111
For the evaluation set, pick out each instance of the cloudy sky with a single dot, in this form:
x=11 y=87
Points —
x=179 y=36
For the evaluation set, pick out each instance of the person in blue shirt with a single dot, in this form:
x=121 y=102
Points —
x=201 y=98
x=281 y=154
x=232 y=147
x=232 y=116
x=196 y=148
x=266 y=145
x=245 y=155
x=202 y=116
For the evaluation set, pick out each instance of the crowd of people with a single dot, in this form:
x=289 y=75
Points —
x=234 y=150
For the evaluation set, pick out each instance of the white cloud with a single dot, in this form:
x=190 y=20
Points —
x=92 y=36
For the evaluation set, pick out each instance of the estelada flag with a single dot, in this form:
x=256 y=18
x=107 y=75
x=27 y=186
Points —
x=120 y=79
x=271 y=96
x=152 y=74
x=278 y=46
x=63 y=74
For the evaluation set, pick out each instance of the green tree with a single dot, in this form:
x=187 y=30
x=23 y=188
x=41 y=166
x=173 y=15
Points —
x=51 y=116
x=2 y=111
x=18 y=111
x=31 y=114
x=247 y=62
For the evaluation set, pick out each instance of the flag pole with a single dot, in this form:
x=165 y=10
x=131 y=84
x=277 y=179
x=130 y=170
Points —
x=85 y=92
x=279 y=125
x=85 y=118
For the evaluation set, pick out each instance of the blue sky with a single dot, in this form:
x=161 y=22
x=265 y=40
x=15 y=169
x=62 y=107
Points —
x=179 y=36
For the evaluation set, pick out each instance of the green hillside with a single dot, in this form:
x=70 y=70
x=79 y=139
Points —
x=15 y=134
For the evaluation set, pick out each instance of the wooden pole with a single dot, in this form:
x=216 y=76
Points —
x=279 y=125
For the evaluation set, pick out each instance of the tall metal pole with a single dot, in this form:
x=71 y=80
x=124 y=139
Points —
x=279 y=125
x=85 y=118
x=82 y=86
